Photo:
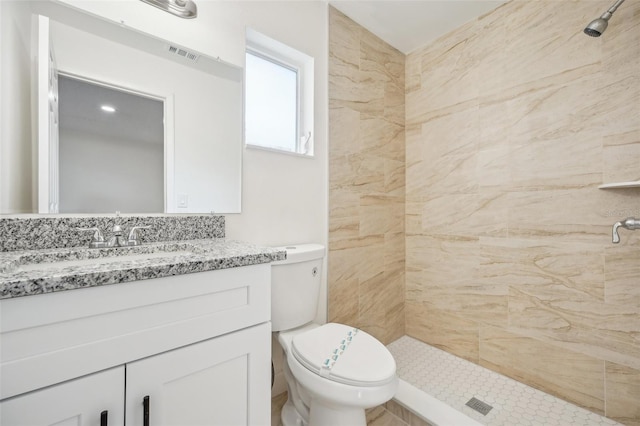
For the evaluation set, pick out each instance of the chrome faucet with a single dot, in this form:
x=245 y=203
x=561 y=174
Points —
x=133 y=235
x=98 y=238
x=117 y=239
x=629 y=223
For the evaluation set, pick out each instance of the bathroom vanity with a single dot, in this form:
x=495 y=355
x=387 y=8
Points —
x=150 y=337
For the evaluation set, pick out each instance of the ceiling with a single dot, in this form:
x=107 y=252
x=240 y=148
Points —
x=137 y=118
x=410 y=24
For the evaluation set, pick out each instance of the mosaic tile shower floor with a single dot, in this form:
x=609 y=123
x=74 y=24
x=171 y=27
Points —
x=455 y=381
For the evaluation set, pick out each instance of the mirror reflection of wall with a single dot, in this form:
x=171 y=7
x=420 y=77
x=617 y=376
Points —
x=204 y=125
x=202 y=101
x=111 y=149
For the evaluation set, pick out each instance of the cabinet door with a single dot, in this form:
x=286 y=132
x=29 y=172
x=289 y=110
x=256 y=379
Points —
x=76 y=402
x=221 y=381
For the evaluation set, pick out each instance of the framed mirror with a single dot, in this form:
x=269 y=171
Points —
x=192 y=166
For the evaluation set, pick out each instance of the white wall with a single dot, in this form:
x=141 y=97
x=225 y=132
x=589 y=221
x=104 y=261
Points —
x=16 y=153
x=128 y=177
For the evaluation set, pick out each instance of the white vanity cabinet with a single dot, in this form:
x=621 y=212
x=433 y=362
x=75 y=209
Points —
x=96 y=399
x=209 y=383
x=196 y=345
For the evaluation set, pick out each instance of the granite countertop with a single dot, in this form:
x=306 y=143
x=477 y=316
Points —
x=31 y=272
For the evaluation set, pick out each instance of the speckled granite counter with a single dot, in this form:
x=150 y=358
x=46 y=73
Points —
x=46 y=232
x=31 y=272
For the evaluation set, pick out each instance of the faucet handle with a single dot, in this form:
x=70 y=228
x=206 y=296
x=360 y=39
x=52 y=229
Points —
x=614 y=233
x=133 y=235
x=630 y=223
x=97 y=234
x=98 y=238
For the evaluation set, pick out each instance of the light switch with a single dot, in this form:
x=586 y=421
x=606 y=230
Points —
x=183 y=201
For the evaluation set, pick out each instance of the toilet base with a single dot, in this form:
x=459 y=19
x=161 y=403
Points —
x=290 y=416
x=325 y=415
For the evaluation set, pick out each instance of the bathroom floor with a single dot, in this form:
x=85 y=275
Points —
x=455 y=381
x=389 y=414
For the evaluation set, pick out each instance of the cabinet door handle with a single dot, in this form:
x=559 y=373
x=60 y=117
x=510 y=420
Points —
x=145 y=411
x=104 y=418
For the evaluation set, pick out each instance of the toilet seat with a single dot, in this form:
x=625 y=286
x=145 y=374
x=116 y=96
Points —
x=344 y=354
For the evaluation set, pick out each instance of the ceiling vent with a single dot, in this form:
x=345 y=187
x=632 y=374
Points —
x=184 y=53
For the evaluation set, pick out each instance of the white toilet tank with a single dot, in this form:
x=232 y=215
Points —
x=295 y=286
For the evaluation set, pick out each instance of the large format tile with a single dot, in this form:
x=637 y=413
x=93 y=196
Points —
x=571 y=375
x=381 y=137
x=442 y=330
x=566 y=318
x=623 y=393
x=543 y=264
x=621 y=157
x=380 y=416
x=367 y=183
x=510 y=124
x=344 y=134
x=484 y=214
x=404 y=414
x=622 y=275
x=542 y=40
x=567 y=214
x=343 y=291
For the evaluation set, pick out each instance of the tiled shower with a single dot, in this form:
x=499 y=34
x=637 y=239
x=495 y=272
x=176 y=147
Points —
x=464 y=202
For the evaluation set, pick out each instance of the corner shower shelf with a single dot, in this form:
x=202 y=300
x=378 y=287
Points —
x=618 y=185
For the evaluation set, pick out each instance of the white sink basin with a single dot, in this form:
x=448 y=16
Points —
x=100 y=260
x=81 y=256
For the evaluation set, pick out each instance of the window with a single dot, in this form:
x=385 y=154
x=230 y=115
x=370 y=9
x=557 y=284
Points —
x=271 y=111
x=278 y=96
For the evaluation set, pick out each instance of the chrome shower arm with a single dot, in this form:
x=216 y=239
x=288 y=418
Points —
x=615 y=6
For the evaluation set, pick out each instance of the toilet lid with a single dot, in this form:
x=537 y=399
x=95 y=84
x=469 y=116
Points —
x=344 y=354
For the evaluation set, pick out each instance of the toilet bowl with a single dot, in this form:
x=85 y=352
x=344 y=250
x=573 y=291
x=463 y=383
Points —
x=333 y=371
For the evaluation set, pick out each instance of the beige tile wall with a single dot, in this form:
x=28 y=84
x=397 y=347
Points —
x=509 y=125
x=366 y=180
x=512 y=122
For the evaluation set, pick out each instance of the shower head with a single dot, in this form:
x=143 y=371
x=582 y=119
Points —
x=182 y=8
x=597 y=26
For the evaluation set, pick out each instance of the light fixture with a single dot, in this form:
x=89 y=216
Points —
x=182 y=8
x=107 y=108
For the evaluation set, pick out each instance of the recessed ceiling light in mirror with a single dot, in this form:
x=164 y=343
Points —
x=107 y=108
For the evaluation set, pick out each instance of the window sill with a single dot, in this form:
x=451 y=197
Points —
x=278 y=151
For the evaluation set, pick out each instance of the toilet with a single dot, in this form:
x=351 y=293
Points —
x=333 y=371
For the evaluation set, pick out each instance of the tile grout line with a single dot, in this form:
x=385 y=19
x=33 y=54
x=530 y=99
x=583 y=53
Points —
x=604 y=385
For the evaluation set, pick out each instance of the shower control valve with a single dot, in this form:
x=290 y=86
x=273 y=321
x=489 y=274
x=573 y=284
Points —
x=630 y=223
